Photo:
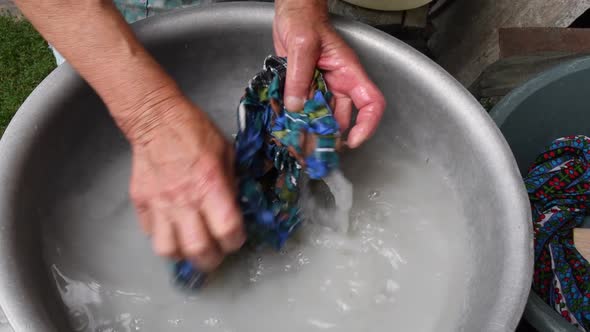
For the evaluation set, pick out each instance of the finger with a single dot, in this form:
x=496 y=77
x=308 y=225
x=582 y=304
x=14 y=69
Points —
x=163 y=239
x=223 y=217
x=349 y=77
x=195 y=242
x=371 y=104
x=142 y=208
x=230 y=159
x=342 y=112
x=303 y=53
x=279 y=48
x=144 y=217
x=230 y=166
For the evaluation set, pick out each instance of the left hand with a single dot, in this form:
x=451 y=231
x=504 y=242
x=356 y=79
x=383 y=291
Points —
x=302 y=32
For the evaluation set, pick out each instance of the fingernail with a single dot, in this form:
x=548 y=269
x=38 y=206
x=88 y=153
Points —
x=353 y=142
x=358 y=135
x=294 y=104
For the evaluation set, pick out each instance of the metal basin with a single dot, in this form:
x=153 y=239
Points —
x=62 y=161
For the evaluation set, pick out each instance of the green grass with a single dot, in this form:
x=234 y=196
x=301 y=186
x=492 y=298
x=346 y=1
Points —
x=25 y=60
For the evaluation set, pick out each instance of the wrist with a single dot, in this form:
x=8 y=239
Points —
x=139 y=94
x=314 y=8
x=159 y=107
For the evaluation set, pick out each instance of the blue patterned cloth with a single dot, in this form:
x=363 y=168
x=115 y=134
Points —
x=274 y=147
x=558 y=185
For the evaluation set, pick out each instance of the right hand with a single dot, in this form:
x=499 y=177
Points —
x=303 y=33
x=183 y=183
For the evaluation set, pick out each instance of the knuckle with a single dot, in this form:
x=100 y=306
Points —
x=143 y=212
x=210 y=166
x=231 y=235
x=381 y=102
x=233 y=246
x=304 y=39
x=192 y=188
x=208 y=260
x=214 y=191
x=138 y=196
x=164 y=250
x=210 y=173
x=210 y=265
x=199 y=250
x=377 y=112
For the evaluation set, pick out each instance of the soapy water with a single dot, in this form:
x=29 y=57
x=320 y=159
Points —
x=392 y=266
x=331 y=206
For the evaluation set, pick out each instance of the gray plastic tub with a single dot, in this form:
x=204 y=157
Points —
x=554 y=104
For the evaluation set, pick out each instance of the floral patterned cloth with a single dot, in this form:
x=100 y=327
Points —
x=274 y=147
x=558 y=185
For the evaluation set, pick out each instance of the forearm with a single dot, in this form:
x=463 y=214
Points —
x=317 y=6
x=98 y=43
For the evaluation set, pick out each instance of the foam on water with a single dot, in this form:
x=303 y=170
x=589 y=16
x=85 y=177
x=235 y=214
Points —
x=331 y=206
x=397 y=265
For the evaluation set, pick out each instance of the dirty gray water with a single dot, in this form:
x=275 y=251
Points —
x=400 y=265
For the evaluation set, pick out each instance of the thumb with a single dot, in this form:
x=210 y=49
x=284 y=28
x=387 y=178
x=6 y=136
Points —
x=303 y=54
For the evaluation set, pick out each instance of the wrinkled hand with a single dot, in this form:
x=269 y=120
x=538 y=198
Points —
x=182 y=184
x=302 y=32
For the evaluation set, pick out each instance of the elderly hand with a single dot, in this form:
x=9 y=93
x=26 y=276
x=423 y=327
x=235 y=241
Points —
x=302 y=32
x=183 y=182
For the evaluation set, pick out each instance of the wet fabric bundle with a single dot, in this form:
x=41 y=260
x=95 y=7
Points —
x=558 y=185
x=273 y=148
